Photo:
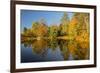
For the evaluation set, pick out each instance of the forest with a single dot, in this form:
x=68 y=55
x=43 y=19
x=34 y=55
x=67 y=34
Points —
x=76 y=29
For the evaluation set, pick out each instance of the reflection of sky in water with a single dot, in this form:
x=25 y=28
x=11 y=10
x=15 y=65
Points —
x=28 y=56
x=56 y=55
x=39 y=51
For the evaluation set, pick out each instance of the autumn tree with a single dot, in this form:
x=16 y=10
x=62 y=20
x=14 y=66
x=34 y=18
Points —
x=42 y=21
x=72 y=29
x=82 y=28
x=83 y=22
x=39 y=28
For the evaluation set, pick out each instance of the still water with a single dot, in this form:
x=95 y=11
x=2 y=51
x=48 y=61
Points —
x=53 y=50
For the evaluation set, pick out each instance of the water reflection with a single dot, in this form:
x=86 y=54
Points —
x=53 y=50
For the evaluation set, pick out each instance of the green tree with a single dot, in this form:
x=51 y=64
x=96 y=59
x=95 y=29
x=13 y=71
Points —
x=64 y=24
x=25 y=30
x=53 y=31
x=34 y=28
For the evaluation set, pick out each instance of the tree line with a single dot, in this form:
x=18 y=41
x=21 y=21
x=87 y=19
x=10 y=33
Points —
x=75 y=28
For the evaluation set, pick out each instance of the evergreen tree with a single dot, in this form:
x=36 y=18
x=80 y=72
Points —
x=64 y=24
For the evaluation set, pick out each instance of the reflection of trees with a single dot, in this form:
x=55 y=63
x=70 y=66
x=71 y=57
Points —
x=79 y=51
x=27 y=43
x=53 y=44
x=84 y=49
x=39 y=46
x=64 y=49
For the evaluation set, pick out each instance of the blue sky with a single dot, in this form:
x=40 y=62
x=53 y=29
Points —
x=51 y=17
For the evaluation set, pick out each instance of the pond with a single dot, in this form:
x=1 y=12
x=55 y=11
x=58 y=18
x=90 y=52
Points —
x=45 y=50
